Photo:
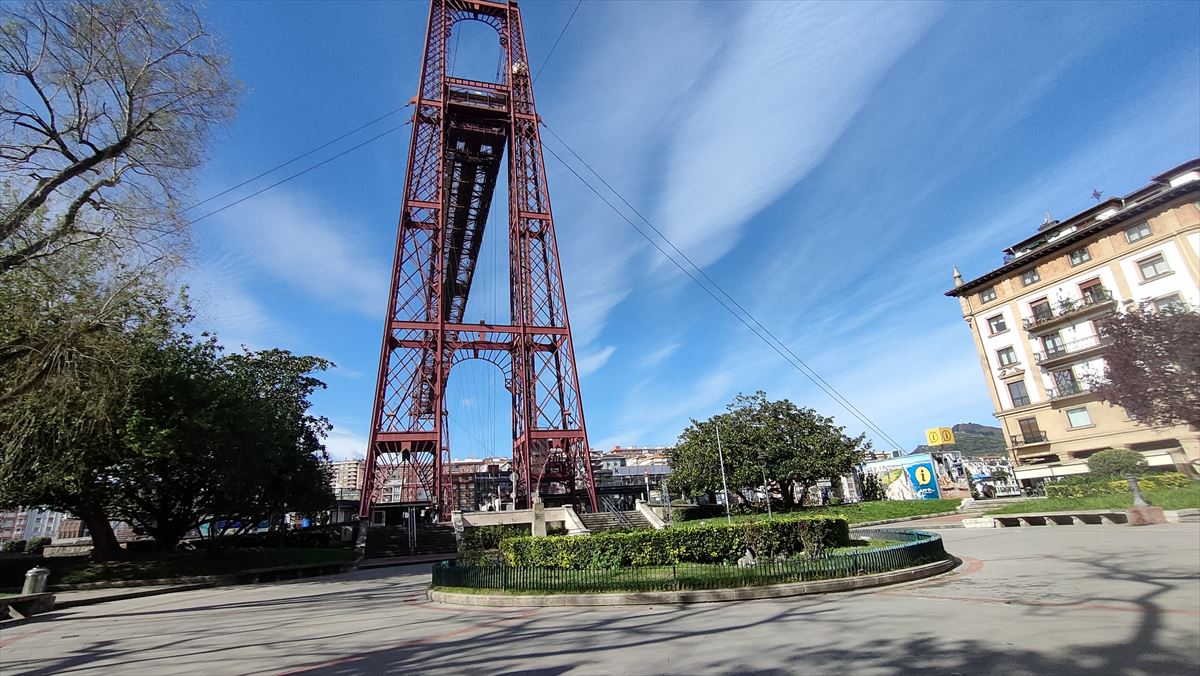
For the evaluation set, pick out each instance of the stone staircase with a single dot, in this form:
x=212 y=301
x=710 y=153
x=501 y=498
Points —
x=384 y=541
x=601 y=521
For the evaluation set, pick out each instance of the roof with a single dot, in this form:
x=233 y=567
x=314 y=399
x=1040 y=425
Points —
x=1158 y=192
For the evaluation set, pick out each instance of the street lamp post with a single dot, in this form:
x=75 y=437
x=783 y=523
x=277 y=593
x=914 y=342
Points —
x=762 y=463
x=724 y=484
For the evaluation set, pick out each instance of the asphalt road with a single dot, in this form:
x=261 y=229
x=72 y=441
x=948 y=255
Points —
x=1067 y=600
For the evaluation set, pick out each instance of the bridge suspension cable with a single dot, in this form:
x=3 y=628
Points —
x=724 y=299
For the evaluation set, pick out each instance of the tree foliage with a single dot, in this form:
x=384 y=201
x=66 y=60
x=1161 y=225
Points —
x=1116 y=463
x=796 y=447
x=105 y=116
x=1152 y=365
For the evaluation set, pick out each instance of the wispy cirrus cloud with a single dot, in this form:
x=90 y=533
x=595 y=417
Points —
x=294 y=241
x=789 y=81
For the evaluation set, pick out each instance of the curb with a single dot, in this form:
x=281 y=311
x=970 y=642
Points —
x=124 y=596
x=902 y=519
x=367 y=564
x=698 y=596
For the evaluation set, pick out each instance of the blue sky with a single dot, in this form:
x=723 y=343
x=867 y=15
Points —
x=826 y=164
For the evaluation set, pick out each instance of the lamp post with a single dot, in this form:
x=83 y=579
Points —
x=724 y=484
x=762 y=463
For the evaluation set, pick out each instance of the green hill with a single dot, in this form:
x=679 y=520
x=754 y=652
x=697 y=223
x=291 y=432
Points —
x=974 y=440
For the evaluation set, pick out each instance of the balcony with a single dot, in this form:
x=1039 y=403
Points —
x=1067 y=391
x=1067 y=351
x=1096 y=300
x=1028 y=439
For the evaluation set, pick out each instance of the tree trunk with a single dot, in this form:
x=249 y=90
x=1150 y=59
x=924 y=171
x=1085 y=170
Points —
x=786 y=489
x=104 y=541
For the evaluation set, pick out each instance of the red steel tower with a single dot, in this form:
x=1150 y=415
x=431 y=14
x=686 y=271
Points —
x=461 y=129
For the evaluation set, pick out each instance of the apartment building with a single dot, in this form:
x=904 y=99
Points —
x=1035 y=322
x=26 y=523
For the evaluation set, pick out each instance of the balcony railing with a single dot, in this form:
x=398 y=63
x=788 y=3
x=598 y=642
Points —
x=1067 y=390
x=1094 y=298
x=1028 y=438
x=1066 y=349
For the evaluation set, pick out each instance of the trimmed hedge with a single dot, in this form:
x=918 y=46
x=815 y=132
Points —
x=724 y=543
x=1089 y=489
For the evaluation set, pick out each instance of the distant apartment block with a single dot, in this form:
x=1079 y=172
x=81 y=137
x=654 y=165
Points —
x=348 y=475
x=27 y=523
x=1035 y=323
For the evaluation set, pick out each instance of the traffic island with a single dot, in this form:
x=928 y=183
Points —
x=884 y=557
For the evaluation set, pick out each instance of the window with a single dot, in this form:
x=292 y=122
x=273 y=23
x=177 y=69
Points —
x=1030 y=277
x=1020 y=396
x=1079 y=256
x=1092 y=291
x=987 y=295
x=1030 y=432
x=1169 y=304
x=1053 y=345
x=1041 y=309
x=996 y=324
x=1153 y=267
x=1078 y=417
x=1139 y=231
x=1065 y=383
x=1008 y=356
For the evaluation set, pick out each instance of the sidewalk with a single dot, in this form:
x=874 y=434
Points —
x=86 y=597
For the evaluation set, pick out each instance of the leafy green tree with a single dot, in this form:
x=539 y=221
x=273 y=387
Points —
x=795 y=447
x=1116 y=463
x=209 y=434
x=71 y=331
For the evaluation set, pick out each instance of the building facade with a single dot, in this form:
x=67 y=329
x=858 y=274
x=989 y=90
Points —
x=348 y=475
x=1035 y=323
x=26 y=523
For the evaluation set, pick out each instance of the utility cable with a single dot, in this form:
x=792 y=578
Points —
x=748 y=320
x=299 y=173
x=296 y=158
x=549 y=54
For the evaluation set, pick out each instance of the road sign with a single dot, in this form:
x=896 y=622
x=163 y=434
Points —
x=939 y=436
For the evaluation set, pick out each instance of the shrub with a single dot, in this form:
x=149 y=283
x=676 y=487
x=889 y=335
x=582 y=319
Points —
x=480 y=544
x=723 y=543
x=489 y=537
x=36 y=545
x=696 y=512
x=1116 y=463
x=13 y=546
x=1078 y=488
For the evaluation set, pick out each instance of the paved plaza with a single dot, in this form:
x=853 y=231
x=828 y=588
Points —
x=1083 y=599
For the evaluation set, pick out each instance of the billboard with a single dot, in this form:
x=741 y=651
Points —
x=909 y=477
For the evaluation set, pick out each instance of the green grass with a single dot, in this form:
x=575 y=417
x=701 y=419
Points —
x=862 y=512
x=1170 y=498
x=186 y=564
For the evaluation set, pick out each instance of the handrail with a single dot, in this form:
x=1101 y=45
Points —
x=1026 y=439
x=1069 y=348
x=610 y=506
x=1069 y=306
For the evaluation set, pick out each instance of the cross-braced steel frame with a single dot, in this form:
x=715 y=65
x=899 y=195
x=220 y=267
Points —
x=460 y=130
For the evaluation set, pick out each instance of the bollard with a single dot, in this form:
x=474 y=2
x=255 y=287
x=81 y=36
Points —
x=35 y=580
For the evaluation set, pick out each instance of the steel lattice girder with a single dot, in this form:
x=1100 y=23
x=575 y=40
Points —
x=460 y=128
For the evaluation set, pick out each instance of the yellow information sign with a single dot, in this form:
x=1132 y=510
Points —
x=939 y=436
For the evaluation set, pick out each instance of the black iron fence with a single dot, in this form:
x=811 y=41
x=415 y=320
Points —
x=905 y=549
